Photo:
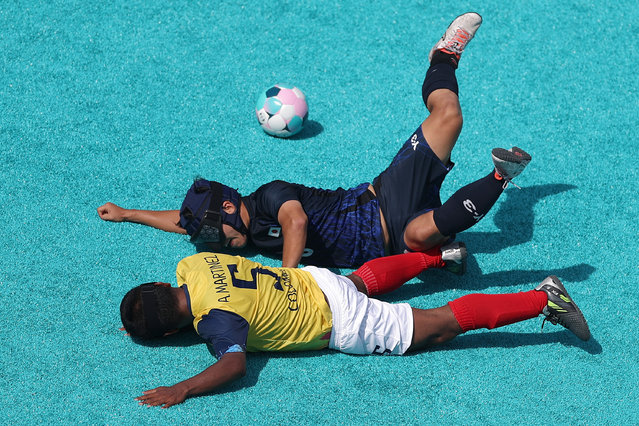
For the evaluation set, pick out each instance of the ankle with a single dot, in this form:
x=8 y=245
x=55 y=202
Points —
x=432 y=258
x=442 y=57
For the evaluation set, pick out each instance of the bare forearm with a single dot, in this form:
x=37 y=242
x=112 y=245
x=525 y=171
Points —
x=209 y=379
x=294 y=242
x=294 y=222
x=230 y=367
x=165 y=220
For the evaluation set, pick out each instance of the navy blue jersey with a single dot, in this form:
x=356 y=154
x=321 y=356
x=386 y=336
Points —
x=344 y=227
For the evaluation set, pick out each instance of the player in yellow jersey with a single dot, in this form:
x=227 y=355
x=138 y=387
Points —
x=237 y=305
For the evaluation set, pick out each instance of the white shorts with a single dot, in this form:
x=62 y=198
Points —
x=362 y=325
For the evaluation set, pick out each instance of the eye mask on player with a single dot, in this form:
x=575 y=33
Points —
x=152 y=321
x=202 y=215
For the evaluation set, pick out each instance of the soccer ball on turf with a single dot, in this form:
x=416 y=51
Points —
x=282 y=110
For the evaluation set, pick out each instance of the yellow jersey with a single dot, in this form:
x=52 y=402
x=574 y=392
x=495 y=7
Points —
x=238 y=304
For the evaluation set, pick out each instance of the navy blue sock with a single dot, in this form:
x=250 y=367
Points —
x=439 y=76
x=440 y=56
x=468 y=205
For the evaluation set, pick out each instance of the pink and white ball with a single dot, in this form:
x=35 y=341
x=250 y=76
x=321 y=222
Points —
x=282 y=110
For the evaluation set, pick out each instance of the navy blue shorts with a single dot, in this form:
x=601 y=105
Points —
x=409 y=187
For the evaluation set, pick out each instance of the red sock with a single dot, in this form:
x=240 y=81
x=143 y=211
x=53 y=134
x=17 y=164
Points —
x=496 y=310
x=385 y=274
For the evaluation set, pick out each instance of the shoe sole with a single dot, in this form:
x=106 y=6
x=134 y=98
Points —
x=518 y=155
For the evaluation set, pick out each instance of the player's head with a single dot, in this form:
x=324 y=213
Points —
x=150 y=310
x=207 y=207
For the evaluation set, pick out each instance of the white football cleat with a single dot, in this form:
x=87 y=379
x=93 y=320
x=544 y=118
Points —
x=457 y=35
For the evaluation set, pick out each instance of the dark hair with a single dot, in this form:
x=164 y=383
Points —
x=163 y=311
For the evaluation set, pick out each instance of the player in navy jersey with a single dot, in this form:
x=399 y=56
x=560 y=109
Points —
x=239 y=306
x=399 y=211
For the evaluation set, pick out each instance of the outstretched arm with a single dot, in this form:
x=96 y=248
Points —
x=293 y=220
x=165 y=220
x=231 y=366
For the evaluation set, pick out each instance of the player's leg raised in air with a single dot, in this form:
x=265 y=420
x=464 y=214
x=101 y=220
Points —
x=440 y=130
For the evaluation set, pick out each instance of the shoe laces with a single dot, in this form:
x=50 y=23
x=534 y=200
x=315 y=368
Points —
x=458 y=41
x=506 y=181
x=553 y=320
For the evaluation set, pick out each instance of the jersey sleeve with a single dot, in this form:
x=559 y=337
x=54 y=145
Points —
x=224 y=331
x=270 y=197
